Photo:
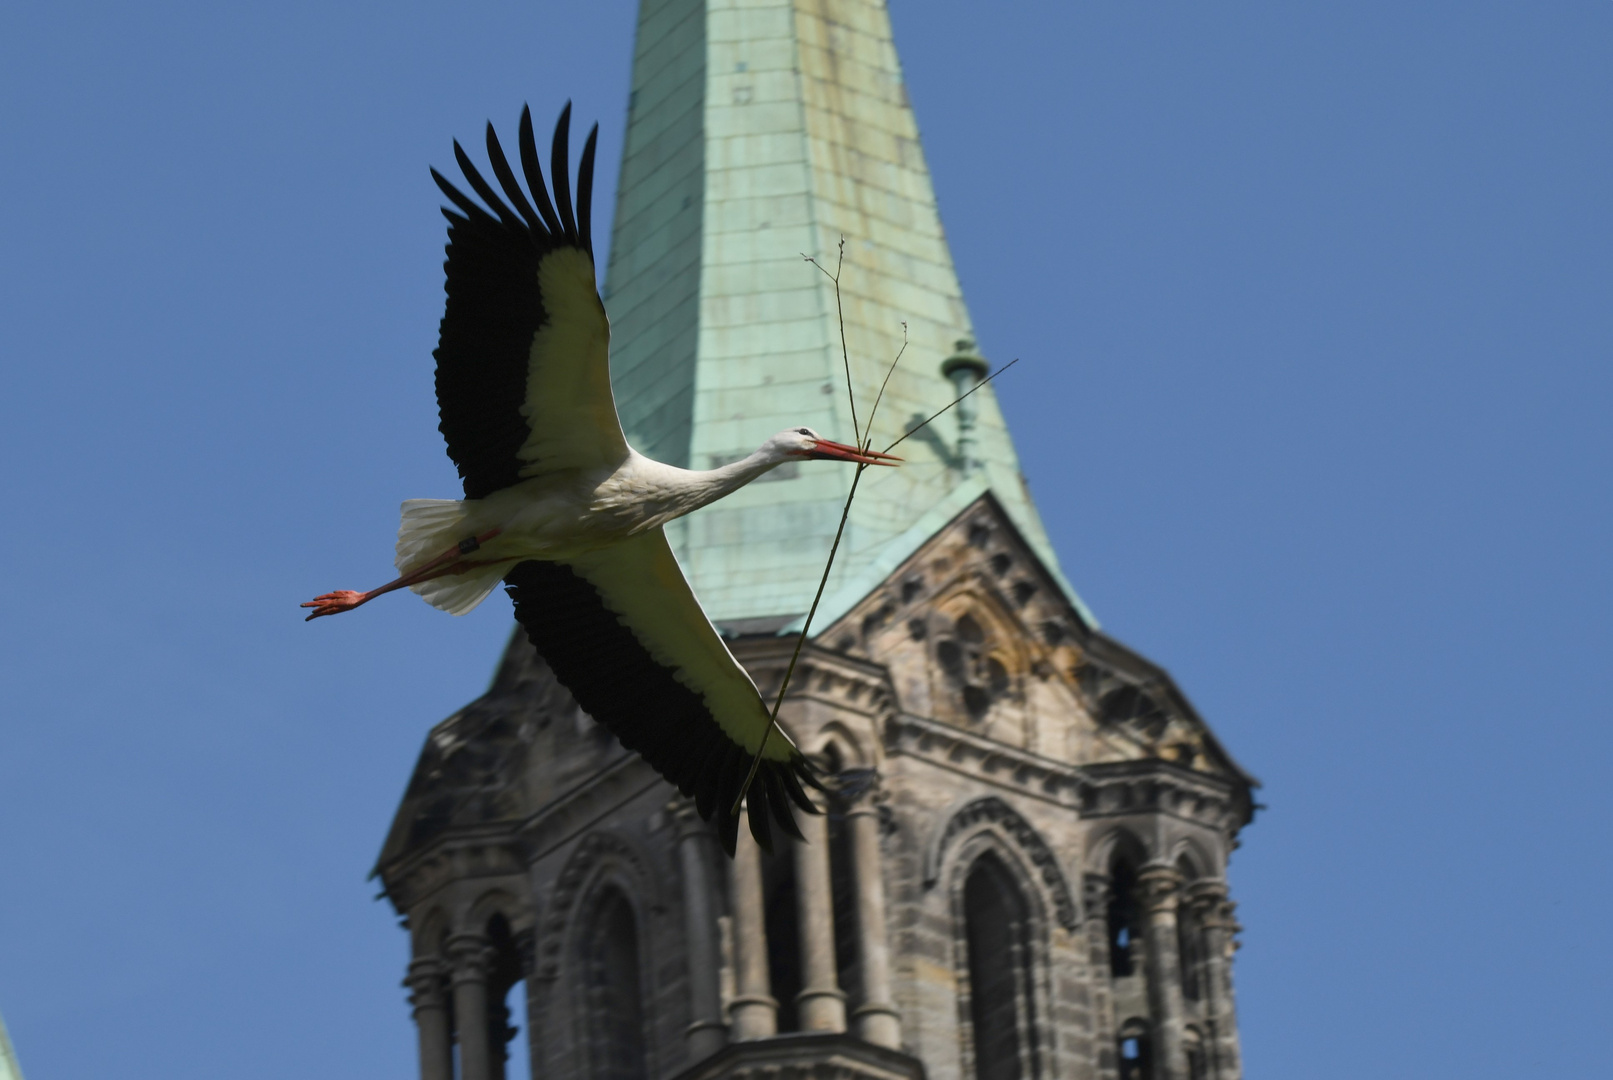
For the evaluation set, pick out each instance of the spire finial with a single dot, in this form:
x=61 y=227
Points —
x=965 y=367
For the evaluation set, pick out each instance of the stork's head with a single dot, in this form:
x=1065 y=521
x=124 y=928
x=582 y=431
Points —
x=803 y=442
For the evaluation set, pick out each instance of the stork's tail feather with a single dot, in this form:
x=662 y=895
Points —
x=459 y=593
x=430 y=527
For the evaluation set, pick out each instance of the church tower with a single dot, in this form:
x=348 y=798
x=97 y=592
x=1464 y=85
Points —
x=1021 y=869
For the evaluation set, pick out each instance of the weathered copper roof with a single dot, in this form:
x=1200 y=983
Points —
x=9 y=1069
x=757 y=134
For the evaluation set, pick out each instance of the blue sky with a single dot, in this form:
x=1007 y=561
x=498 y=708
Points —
x=1314 y=303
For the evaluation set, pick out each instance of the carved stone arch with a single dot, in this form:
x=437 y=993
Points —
x=966 y=596
x=981 y=653
x=990 y=841
x=1117 y=841
x=851 y=749
x=1023 y=842
x=1001 y=626
x=493 y=902
x=606 y=870
x=430 y=931
x=1189 y=857
x=961 y=858
x=600 y=856
x=1195 y=1049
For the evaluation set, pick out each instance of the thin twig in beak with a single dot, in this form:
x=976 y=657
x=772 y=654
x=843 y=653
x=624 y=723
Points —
x=959 y=398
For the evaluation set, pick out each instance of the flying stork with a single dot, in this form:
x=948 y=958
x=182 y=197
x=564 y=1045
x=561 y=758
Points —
x=569 y=516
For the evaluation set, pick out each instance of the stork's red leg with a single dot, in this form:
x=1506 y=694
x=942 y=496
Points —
x=334 y=603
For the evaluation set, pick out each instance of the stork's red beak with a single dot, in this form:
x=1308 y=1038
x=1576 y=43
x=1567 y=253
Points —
x=832 y=451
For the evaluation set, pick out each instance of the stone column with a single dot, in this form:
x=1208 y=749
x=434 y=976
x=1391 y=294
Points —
x=469 y=953
x=1095 y=907
x=706 y=1033
x=1219 y=930
x=877 y=1019
x=428 y=993
x=754 y=1012
x=1158 y=888
x=821 y=1005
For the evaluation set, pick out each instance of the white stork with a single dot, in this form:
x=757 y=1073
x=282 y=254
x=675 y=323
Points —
x=566 y=513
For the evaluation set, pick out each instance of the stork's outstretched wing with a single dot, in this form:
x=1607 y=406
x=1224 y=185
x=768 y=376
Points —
x=523 y=374
x=623 y=631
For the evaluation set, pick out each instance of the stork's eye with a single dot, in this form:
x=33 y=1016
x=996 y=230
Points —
x=803 y=431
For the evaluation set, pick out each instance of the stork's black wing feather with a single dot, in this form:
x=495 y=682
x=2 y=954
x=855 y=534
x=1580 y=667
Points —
x=488 y=367
x=534 y=171
x=595 y=652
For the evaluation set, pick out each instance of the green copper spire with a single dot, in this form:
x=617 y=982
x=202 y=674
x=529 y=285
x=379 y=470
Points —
x=9 y=1069
x=757 y=132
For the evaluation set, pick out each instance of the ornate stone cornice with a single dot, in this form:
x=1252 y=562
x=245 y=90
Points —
x=858 y=791
x=1159 y=888
x=457 y=854
x=427 y=981
x=508 y=847
x=806 y=1056
x=985 y=759
x=821 y=675
x=991 y=810
x=470 y=957
x=1148 y=786
x=1208 y=899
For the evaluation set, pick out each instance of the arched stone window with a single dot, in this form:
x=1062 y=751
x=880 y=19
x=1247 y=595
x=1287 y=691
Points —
x=1001 y=998
x=1125 y=920
x=1136 y=1052
x=613 y=996
x=504 y=974
x=1193 y=1050
x=1189 y=940
x=783 y=930
x=846 y=787
x=968 y=660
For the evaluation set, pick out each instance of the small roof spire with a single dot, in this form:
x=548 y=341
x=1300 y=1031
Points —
x=965 y=368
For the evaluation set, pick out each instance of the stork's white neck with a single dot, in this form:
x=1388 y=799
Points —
x=654 y=493
x=708 y=485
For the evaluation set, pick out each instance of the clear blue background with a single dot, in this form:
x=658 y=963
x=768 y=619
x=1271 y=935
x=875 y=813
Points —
x=1314 y=303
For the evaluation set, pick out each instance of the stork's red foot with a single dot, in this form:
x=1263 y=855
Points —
x=334 y=603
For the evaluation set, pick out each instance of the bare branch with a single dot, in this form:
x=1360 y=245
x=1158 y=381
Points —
x=800 y=643
x=881 y=395
x=840 y=314
x=955 y=400
x=845 y=513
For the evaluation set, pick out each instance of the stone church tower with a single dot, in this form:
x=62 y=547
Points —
x=1021 y=871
